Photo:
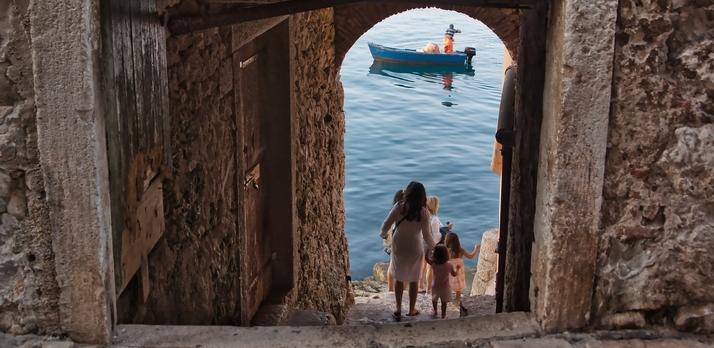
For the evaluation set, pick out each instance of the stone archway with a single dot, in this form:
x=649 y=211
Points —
x=353 y=20
x=575 y=119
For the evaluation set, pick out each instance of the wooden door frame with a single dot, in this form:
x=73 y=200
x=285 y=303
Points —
x=521 y=200
x=281 y=163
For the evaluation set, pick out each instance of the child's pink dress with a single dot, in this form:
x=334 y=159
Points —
x=458 y=283
x=440 y=285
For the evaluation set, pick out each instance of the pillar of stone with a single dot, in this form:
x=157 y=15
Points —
x=576 y=105
x=72 y=144
x=484 y=282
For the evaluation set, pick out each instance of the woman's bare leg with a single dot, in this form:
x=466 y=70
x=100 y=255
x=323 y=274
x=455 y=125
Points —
x=423 y=285
x=413 y=293
x=398 y=289
x=429 y=279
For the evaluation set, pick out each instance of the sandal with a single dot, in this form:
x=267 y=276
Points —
x=416 y=312
x=397 y=316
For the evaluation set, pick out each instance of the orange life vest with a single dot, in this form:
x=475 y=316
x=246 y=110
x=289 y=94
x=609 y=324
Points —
x=448 y=44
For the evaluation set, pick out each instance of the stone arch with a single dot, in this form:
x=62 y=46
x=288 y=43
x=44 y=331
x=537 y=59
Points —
x=353 y=20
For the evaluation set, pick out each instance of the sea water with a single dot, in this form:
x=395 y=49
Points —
x=427 y=125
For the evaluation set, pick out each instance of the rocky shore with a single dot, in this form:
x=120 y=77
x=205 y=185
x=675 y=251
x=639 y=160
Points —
x=374 y=303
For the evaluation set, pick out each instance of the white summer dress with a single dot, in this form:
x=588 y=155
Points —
x=407 y=244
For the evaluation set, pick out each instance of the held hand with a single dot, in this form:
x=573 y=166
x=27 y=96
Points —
x=477 y=247
x=450 y=225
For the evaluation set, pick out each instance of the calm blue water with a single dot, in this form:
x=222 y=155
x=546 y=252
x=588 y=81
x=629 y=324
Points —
x=408 y=125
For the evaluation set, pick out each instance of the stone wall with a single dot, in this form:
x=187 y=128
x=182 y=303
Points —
x=324 y=263
x=658 y=210
x=353 y=20
x=194 y=267
x=28 y=289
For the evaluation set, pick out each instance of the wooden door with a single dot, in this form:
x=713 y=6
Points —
x=138 y=145
x=256 y=253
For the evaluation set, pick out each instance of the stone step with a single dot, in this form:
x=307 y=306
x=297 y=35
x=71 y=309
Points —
x=420 y=333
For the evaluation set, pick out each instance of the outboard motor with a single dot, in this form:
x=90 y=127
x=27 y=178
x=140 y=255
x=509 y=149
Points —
x=470 y=53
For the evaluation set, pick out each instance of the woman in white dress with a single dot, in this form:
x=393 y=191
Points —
x=411 y=219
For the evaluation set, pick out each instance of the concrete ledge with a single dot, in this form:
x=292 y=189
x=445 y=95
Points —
x=425 y=333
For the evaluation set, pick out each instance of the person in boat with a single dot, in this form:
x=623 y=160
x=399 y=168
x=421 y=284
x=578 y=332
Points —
x=449 y=38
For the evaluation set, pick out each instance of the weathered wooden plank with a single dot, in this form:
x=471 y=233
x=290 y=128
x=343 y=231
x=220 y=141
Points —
x=163 y=87
x=115 y=29
x=155 y=124
x=144 y=280
x=114 y=149
x=137 y=115
x=138 y=59
x=149 y=227
x=186 y=24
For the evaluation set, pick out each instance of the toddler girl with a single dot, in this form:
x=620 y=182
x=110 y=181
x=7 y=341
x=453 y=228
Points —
x=441 y=269
x=456 y=254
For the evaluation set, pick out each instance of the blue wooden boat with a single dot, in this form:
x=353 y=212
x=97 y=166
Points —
x=406 y=56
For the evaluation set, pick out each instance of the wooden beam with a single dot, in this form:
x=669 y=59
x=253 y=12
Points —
x=187 y=24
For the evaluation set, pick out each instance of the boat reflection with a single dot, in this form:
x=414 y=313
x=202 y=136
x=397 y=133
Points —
x=432 y=73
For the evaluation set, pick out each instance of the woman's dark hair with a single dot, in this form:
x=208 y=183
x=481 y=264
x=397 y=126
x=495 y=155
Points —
x=441 y=254
x=453 y=244
x=398 y=197
x=414 y=201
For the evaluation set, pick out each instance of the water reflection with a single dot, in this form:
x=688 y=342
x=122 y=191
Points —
x=443 y=74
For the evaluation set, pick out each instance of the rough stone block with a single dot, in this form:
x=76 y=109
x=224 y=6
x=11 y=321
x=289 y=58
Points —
x=695 y=318
x=379 y=271
x=484 y=282
x=309 y=318
x=612 y=344
x=58 y=344
x=226 y=77
x=627 y=320
x=17 y=206
x=532 y=343
x=658 y=190
x=677 y=343
x=270 y=315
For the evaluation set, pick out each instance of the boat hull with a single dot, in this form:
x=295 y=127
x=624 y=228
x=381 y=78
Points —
x=405 y=56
